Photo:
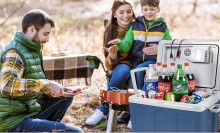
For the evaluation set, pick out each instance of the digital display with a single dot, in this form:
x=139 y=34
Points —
x=198 y=54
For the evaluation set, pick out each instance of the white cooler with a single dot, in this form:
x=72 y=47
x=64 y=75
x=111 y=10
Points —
x=152 y=115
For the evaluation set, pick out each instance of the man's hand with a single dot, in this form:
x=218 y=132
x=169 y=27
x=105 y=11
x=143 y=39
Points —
x=56 y=89
x=152 y=50
x=70 y=90
x=115 y=41
x=113 y=51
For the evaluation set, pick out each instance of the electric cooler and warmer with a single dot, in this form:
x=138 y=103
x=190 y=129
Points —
x=152 y=115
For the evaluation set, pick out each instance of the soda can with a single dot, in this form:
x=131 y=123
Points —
x=142 y=93
x=203 y=93
x=151 y=94
x=197 y=99
x=169 y=97
x=159 y=95
x=192 y=99
x=208 y=92
x=185 y=99
x=200 y=93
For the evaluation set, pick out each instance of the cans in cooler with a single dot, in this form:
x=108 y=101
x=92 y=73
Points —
x=204 y=93
x=151 y=94
x=185 y=99
x=159 y=96
x=169 y=97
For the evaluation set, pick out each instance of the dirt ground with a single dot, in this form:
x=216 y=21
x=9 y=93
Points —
x=83 y=106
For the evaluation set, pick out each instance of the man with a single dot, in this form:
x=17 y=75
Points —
x=28 y=101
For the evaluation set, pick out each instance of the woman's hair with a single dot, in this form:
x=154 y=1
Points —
x=111 y=29
x=37 y=18
x=153 y=3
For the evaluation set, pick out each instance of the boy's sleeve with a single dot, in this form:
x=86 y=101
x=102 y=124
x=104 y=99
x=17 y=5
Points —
x=127 y=43
x=166 y=35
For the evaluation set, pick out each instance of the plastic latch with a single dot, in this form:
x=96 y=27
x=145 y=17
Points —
x=215 y=108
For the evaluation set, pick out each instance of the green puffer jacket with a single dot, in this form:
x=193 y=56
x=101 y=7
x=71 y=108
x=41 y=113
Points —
x=13 y=110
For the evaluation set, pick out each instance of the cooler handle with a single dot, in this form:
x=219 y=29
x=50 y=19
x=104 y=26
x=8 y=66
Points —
x=133 y=79
x=215 y=108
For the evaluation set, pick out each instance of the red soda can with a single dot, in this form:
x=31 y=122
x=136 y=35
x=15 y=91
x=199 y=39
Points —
x=185 y=99
x=159 y=95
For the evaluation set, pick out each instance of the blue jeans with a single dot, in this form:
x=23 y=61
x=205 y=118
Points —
x=119 y=77
x=48 y=120
x=141 y=74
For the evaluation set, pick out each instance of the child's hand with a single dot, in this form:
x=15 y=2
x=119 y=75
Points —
x=115 y=41
x=113 y=51
x=152 y=50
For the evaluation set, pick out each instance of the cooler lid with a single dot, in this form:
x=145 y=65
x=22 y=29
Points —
x=202 y=55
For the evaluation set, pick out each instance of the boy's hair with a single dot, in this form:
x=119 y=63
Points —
x=154 y=3
x=37 y=18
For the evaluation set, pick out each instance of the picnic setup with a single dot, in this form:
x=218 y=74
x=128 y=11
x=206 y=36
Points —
x=109 y=66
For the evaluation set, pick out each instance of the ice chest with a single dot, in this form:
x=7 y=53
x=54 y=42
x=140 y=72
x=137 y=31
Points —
x=151 y=115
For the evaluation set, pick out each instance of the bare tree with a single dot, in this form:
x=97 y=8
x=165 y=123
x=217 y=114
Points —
x=195 y=4
x=15 y=6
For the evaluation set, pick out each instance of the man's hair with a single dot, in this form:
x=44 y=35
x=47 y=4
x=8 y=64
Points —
x=37 y=18
x=154 y=3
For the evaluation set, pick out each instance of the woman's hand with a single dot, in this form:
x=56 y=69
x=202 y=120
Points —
x=113 y=51
x=115 y=41
x=152 y=50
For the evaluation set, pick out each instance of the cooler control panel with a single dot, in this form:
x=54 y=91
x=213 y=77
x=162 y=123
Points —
x=202 y=58
x=199 y=54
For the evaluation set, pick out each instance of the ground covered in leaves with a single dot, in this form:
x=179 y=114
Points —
x=83 y=106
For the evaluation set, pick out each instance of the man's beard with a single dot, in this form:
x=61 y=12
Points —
x=37 y=40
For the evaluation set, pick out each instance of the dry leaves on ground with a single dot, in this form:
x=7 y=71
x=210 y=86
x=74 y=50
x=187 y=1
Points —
x=83 y=106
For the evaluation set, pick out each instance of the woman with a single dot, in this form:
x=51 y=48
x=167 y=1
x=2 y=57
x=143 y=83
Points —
x=118 y=64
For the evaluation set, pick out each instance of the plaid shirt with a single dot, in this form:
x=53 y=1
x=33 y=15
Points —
x=11 y=82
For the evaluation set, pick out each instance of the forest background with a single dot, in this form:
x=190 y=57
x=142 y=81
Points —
x=79 y=29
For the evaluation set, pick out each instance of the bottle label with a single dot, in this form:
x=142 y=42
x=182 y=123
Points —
x=165 y=87
x=150 y=86
x=191 y=85
x=180 y=87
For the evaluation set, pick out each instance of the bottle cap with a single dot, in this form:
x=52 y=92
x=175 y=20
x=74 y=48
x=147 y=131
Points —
x=186 y=64
x=159 y=63
x=172 y=63
x=164 y=65
x=179 y=65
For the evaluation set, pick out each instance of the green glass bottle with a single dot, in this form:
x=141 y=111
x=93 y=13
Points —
x=179 y=83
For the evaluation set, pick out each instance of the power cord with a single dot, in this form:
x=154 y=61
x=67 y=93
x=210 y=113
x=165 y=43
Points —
x=171 y=53
x=178 y=50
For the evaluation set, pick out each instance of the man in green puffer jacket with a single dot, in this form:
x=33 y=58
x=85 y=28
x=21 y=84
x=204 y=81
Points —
x=23 y=83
